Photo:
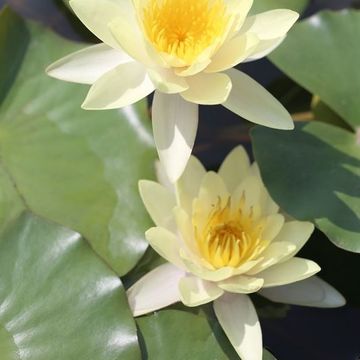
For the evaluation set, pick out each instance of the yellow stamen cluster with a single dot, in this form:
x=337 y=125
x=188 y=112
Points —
x=184 y=28
x=231 y=236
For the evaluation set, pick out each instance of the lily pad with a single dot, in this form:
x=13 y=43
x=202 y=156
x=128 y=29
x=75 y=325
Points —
x=77 y=168
x=322 y=54
x=178 y=335
x=313 y=173
x=58 y=299
x=182 y=333
x=14 y=39
x=265 y=5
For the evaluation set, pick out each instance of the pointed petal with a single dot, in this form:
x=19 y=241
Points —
x=166 y=81
x=273 y=254
x=122 y=86
x=297 y=233
x=273 y=226
x=233 y=52
x=193 y=69
x=239 y=320
x=159 y=203
x=166 y=244
x=130 y=37
x=295 y=269
x=187 y=187
x=212 y=193
x=241 y=284
x=87 y=65
x=264 y=48
x=185 y=227
x=251 y=101
x=97 y=14
x=270 y=24
x=195 y=292
x=162 y=177
x=208 y=89
x=235 y=168
x=156 y=290
x=175 y=124
x=313 y=292
x=268 y=205
x=249 y=190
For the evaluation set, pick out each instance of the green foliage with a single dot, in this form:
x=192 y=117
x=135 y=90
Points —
x=58 y=299
x=77 y=168
x=322 y=54
x=265 y=5
x=313 y=173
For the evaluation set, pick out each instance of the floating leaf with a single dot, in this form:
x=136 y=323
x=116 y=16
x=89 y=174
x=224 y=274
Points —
x=179 y=335
x=14 y=39
x=265 y=5
x=77 y=168
x=313 y=173
x=58 y=300
x=322 y=54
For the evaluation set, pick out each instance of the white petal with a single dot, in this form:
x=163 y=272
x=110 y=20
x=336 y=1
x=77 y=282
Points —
x=270 y=24
x=166 y=81
x=187 y=187
x=130 y=37
x=195 y=292
x=97 y=14
x=233 y=52
x=159 y=202
x=239 y=320
x=87 y=65
x=186 y=229
x=166 y=244
x=264 y=48
x=175 y=123
x=295 y=269
x=273 y=254
x=235 y=168
x=296 y=232
x=241 y=284
x=162 y=177
x=156 y=290
x=122 y=86
x=251 y=101
x=313 y=292
x=268 y=205
x=212 y=193
x=193 y=69
x=208 y=89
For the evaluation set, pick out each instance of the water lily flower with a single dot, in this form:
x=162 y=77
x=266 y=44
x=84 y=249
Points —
x=223 y=237
x=185 y=50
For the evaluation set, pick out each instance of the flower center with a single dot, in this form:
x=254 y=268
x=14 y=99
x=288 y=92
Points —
x=184 y=28
x=230 y=237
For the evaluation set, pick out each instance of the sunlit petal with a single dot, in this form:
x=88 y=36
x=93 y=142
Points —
x=238 y=318
x=313 y=292
x=254 y=103
x=122 y=86
x=87 y=65
x=195 y=292
x=175 y=123
x=156 y=290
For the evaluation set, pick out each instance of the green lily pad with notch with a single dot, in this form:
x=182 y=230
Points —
x=322 y=54
x=265 y=5
x=58 y=299
x=75 y=167
x=313 y=173
x=183 y=333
